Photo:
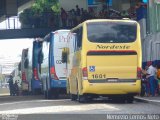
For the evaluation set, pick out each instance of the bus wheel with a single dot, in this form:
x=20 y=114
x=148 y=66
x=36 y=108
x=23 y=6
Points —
x=130 y=99
x=48 y=94
x=45 y=94
x=55 y=95
x=37 y=91
x=82 y=99
x=118 y=99
x=73 y=97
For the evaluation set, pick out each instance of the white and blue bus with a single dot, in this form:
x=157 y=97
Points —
x=53 y=71
x=24 y=72
x=30 y=67
x=36 y=64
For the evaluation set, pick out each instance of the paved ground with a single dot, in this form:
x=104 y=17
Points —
x=155 y=100
x=38 y=108
x=38 y=105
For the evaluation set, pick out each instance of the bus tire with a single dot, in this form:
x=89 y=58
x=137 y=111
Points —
x=45 y=94
x=48 y=94
x=118 y=99
x=68 y=87
x=55 y=95
x=82 y=99
x=37 y=91
x=73 y=97
x=142 y=93
x=130 y=99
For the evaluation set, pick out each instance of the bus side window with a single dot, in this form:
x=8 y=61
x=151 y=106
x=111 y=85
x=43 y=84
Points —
x=26 y=53
x=40 y=54
x=75 y=43
x=19 y=66
x=72 y=43
x=78 y=38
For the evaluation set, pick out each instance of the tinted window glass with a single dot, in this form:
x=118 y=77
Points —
x=111 y=32
x=78 y=33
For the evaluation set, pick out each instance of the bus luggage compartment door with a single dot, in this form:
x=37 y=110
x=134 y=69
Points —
x=112 y=66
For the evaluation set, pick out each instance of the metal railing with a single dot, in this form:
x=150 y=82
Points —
x=46 y=20
x=10 y=23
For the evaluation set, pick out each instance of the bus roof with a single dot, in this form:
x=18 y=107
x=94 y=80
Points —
x=47 y=37
x=62 y=30
x=104 y=20
x=115 y=20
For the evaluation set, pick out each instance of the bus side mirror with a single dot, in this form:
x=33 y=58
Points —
x=26 y=63
x=65 y=52
x=19 y=66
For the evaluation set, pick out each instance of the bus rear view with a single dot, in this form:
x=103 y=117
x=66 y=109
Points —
x=116 y=61
x=110 y=59
x=53 y=71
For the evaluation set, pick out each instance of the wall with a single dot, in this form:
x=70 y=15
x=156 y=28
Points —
x=154 y=12
x=121 y=4
x=71 y=4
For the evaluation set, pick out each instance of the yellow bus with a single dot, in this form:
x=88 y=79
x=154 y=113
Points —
x=104 y=59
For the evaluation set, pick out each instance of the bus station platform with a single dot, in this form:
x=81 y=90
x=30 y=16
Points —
x=149 y=99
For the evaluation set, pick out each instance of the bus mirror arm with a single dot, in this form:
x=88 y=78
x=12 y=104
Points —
x=65 y=52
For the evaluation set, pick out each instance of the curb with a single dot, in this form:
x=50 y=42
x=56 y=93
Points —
x=4 y=95
x=139 y=99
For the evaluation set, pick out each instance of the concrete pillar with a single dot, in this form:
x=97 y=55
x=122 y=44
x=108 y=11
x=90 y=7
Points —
x=11 y=8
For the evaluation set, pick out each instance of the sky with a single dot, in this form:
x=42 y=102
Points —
x=10 y=52
x=11 y=49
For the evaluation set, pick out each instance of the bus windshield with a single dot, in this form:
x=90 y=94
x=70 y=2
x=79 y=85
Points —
x=112 y=32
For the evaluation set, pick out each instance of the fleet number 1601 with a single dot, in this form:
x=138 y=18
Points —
x=98 y=76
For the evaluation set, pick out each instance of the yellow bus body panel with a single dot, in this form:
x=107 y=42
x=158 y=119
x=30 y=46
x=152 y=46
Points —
x=113 y=66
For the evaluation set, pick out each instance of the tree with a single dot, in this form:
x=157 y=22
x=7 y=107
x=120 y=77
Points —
x=41 y=9
x=26 y=16
x=44 y=5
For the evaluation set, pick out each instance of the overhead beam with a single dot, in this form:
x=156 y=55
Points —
x=2 y=9
x=24 y=33
x=10 y=8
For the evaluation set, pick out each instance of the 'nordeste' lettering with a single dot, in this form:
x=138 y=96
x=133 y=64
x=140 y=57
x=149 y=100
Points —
x=112 y=47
